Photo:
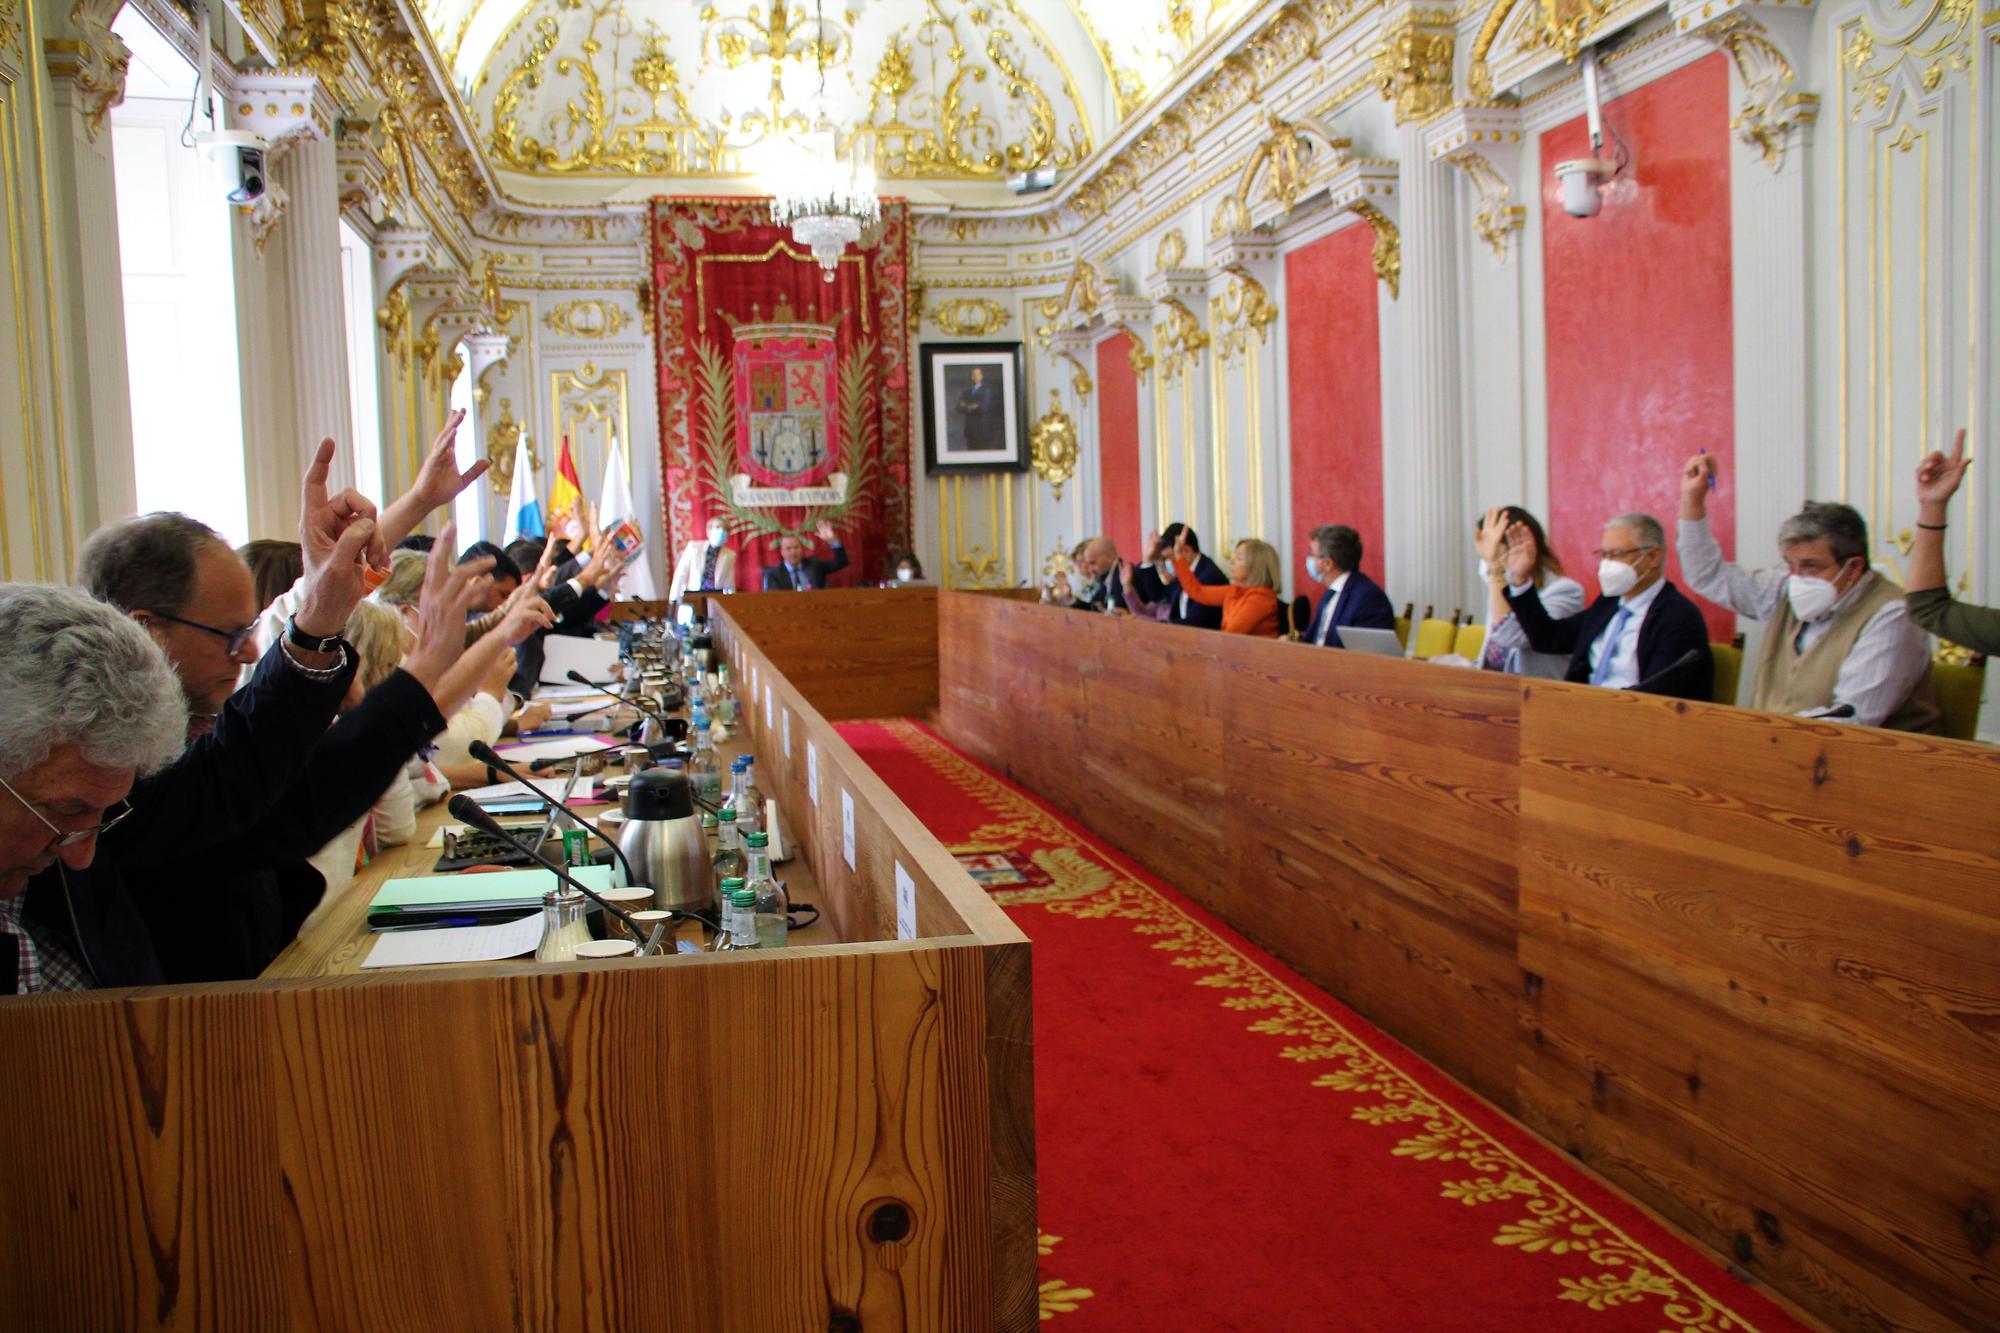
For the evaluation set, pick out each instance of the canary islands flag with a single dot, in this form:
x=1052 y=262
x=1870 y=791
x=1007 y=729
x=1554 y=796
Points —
x=524 y=506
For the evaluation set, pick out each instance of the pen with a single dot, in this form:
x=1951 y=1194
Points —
x=1711 y=472
x=434 y=925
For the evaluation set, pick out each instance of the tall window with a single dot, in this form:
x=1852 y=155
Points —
x=175 y=239
x=470 y=507
x=357 y=269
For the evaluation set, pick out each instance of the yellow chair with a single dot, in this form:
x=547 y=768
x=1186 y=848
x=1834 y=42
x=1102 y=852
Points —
x=1403 y=631
x=1434 y=638
x=1959 y=690
x=1471 y=641
x=1728 y=671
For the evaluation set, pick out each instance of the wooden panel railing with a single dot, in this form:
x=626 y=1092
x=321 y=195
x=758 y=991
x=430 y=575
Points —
x=825 y=1136
x=1747 y=966
x=1365 y=836
x=853 y=652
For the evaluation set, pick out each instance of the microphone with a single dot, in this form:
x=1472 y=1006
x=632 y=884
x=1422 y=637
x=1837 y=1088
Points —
x=467 y=811
x=666 y=723
x=486 y=754
x=1679 y=664
x=1833 y=714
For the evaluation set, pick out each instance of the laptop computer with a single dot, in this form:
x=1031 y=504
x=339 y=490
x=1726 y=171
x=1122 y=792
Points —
x=1381 y=642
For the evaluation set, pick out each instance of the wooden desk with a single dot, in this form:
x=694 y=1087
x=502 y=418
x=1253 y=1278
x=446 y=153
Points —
x=338 y=942
x=1746 y=966
x=516 y=1145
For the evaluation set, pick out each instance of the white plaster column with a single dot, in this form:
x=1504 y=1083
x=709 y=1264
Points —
x=483 y=351
x=312 y=268
x=95 y=482
x=1423 y=500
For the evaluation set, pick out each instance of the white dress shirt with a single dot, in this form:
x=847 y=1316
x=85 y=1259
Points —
x=1624 y=672
x=1888 y=659
x=1332 y=605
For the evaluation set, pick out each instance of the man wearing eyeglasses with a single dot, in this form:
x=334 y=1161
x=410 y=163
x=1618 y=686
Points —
x=1642 y=634
x=91 y=706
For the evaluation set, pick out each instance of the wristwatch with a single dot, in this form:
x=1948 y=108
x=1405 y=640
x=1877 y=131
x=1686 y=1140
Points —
x=308 y=643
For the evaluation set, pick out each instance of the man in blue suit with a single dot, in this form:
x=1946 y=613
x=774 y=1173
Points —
x=1351 y=597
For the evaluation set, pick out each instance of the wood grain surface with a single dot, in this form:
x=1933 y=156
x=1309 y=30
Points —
x=828 y=1136
x=853 y=652
x=1766 y=996
x=1355 y=819
x=1746 y=966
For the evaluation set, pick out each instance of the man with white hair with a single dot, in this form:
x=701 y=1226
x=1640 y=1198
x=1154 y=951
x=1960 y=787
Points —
x=91 y=705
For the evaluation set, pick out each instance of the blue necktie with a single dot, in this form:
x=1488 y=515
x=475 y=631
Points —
x=1603 y=671
x=799 y=580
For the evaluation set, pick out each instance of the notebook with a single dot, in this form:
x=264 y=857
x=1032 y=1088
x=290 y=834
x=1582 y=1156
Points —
x=501 y=893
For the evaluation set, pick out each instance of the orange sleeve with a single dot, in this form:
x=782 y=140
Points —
x=1200 y=592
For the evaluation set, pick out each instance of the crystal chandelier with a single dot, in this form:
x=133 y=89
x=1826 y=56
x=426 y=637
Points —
x=827 y=201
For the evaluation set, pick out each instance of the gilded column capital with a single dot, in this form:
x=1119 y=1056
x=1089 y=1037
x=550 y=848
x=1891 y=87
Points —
x=1367 y=187
x=1412 y=66
x=91 y=59
x=1766 y=42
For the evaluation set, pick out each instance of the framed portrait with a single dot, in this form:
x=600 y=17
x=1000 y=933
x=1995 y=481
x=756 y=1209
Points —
x=975 y=416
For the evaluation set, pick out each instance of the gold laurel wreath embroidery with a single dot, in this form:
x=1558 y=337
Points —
x=1057 y=1295
x=1556 y=1224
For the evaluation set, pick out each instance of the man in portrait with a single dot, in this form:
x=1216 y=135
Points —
x=984 y=413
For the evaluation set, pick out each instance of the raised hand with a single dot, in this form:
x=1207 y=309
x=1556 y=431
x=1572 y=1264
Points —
x=1939 y=475
x=439 y=481
x=521 y=621
x=1697 y=477
x=450 y=591
x=1492 y=537
x=338 y=539
x=1521 y=555
x=825 y=532
x=1154 y=548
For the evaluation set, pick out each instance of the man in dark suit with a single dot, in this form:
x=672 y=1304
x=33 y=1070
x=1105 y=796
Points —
x=799 y=572
x=1155 y=580
x=1351 y=597
x=984 y=413
x=1633 y=637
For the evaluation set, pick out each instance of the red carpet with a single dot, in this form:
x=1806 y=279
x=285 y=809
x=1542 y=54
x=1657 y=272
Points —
x=1224 y=1146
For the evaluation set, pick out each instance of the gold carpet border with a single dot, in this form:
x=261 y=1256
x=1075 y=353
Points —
x=1556 y=1222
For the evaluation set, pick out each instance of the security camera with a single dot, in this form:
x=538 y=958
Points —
x=239 y=163
x=1580 y=179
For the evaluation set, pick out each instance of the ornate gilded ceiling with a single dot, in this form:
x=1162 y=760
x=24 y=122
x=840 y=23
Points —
x=952 y=93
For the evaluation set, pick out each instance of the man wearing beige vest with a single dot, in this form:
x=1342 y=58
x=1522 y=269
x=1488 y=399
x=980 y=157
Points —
x=1840 y=643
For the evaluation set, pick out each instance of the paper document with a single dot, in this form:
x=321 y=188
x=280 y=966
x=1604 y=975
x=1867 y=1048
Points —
x=564 y=653
x=550 y=693
x=492 y=891
x=561 y=747
x=456 y=944
x=598 y=705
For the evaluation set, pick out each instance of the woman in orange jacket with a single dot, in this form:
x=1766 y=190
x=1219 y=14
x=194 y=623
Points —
x=1250 y=600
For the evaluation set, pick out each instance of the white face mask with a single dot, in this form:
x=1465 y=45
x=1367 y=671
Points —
x=905 y=574
x=1616 y=577
x=1811 y=599
x=717 y=536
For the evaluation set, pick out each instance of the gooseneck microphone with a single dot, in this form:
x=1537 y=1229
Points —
x=632 y=700
x=468 y=811
x=1675 y=667
x=486 y=754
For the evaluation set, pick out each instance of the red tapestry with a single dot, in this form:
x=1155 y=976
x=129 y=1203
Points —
x=784 y=398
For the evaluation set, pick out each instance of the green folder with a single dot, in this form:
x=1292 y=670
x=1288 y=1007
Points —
x=506 y=891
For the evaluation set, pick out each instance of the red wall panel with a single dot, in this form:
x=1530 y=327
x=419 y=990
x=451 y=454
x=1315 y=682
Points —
x=1333 y=374
x=1118 y=445
x=1639 y=320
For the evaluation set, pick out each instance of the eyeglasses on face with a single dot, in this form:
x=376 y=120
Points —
x=1628 y=553
x=69 y=837
x=235 y=637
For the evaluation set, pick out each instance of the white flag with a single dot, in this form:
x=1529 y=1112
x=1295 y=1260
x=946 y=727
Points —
x=614 y=506
x=524 y=502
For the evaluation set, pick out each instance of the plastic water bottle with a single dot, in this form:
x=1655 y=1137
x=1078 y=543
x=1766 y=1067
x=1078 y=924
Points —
x=773 y=907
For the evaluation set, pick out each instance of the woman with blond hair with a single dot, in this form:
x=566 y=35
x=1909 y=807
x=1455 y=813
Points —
x=1249 y=601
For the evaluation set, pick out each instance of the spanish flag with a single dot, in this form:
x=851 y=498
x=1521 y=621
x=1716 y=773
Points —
x=569 y=487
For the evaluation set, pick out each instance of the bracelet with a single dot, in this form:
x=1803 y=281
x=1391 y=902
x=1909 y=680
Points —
x=1932 y=527
x=313 y=673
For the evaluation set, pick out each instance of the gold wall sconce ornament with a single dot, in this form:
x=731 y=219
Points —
x=970 y=317
x=1053 y=446
x=501 y=439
